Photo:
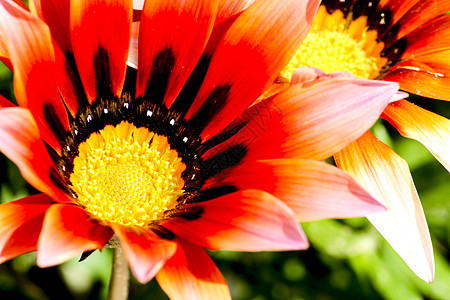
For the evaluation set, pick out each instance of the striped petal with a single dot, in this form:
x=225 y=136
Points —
x=168 y=53
x=20 y=225
x=68 y=231
x=313 y=190
x=386 y=176
x=430 y=129
x=243 y=221
x=35 y=77
x=191 y=274
x=259 y=43
x=145 y=251
x=100 y=34
x=20 y=142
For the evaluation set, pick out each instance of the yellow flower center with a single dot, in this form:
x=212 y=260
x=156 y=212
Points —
x=127 y=175
x=336 y=44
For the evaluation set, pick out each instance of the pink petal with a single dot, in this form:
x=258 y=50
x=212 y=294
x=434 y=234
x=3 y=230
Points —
x=242 y=221
x=313 y=120
x=313 y=190
x=191 y=274
x=386 y=176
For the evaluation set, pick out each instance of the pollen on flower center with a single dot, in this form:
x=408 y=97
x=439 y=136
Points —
x=338 y=44
x=127 y=175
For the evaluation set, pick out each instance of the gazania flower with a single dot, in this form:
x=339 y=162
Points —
x=172 y=158
x=402 y=41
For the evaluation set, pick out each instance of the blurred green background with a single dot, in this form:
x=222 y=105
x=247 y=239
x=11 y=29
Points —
x=347 y=259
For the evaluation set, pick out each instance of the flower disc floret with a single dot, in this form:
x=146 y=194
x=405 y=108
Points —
x=127 y=175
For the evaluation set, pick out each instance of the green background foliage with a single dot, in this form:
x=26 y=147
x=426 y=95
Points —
x=348 y=259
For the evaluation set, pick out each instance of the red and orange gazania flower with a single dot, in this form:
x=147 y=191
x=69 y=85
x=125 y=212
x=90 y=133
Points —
x=403 y=41
x=172 y=158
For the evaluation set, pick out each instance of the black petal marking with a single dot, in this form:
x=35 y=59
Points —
x=222 y=161
x=191 y=213
x=365 y=8
x=102 y=73
x=215 y=192
x=162 y=232
x=56 y=179
x=157 y=84
x=192 y=86
x=72 y=70
x=215 y=102
x=52 y=118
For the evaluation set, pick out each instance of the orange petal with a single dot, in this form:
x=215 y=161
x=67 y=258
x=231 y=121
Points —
x=191 y=274
x=420 y=13
x=172 y=36
x=313 y=190
x=242 y=221
x=259 y=44
x=145 y=251
x=20 y=142
x=35 y=78
x=431 y=37
x=21 y=223
x=66 y=232
x=100 y=34
x=229 y=8
x=426 y=75
x=430 y=129
x=386 y=176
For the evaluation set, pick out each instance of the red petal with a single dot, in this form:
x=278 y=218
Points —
x=100 y=34
x=145 y=251
x=242 y=221
x=32 y=55
x=386 y=176
x=20 y=225
x=19 y=140
x=172 y=37
x=252 y=53
x=310 y=121
x=56 y=14
x=191 y=274
x=66 y=232
x=430 y=129
x=314 y=190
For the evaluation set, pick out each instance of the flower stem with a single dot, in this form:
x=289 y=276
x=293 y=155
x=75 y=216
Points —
x=120 y=276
